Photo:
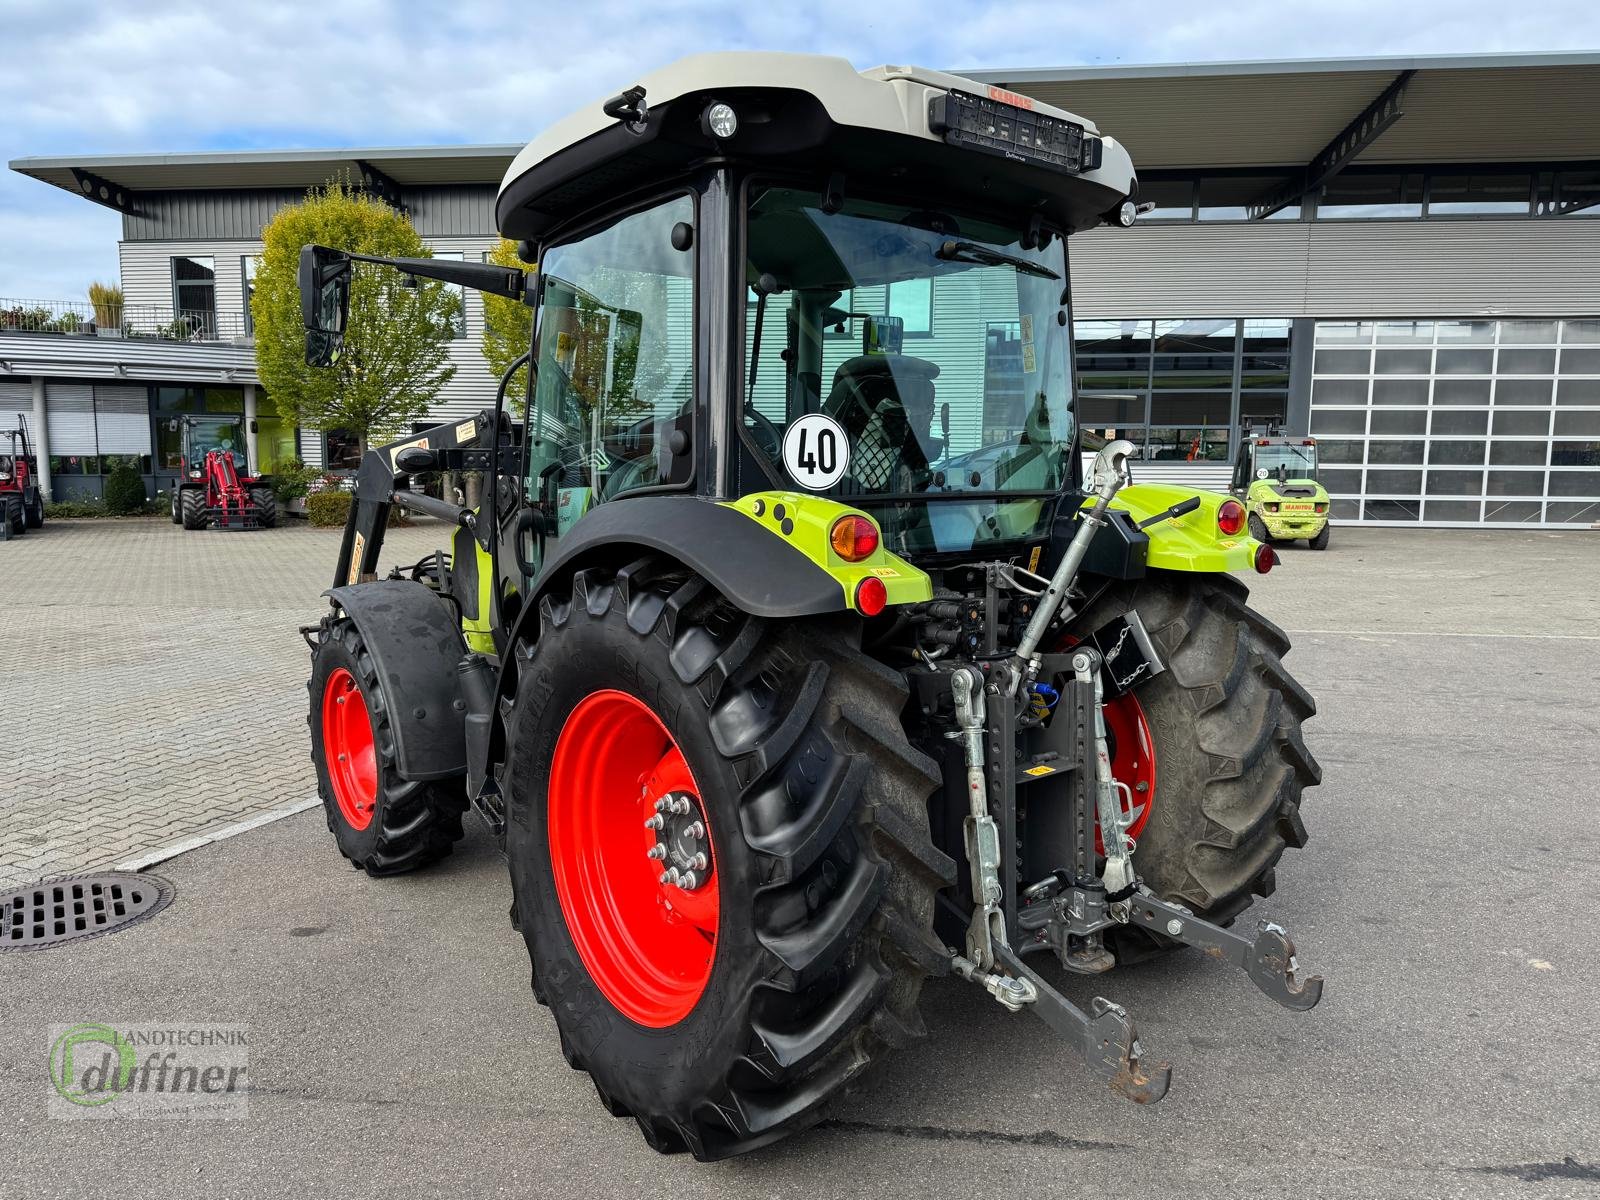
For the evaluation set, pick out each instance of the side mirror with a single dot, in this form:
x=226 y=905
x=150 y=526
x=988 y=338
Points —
x=324 y=278
x=416 y=460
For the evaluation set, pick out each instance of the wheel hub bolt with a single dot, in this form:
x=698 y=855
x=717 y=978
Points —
x=699 y=864
x=697 y=830
x=688 y=882
x=655 y=822
x=657 y=851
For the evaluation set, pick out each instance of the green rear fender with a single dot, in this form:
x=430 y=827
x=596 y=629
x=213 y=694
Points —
x=806 y=523
x=1191 y=542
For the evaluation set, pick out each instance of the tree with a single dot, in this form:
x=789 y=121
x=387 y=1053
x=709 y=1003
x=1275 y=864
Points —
x=507 y=327
x=396 y=345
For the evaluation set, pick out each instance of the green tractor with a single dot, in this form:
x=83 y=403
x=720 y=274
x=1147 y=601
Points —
x=788 y=657
x=1276 y=477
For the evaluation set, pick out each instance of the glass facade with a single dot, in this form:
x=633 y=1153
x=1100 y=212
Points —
x=1179 y=388
x=1473 y=422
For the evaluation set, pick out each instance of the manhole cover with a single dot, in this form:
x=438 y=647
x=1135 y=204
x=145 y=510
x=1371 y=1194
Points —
x=78 y=907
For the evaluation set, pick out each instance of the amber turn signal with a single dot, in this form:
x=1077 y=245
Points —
x=853 y=537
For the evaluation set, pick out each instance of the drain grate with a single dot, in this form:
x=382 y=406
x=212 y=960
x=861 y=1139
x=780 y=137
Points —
x=78 y=907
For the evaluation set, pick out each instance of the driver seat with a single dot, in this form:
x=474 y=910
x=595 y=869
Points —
x=885 y=403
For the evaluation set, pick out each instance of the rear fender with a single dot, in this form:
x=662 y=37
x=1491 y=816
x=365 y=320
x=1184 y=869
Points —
x=1191 y=542
x=416 y=648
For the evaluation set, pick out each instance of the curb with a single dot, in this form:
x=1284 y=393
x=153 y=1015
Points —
x=151 y=857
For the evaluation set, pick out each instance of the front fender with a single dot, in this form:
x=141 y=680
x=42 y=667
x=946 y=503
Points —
x=416 y=648
x=1191 y=542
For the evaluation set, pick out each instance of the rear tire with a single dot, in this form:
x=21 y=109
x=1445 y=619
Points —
x=1230 y=762
x=816 y=808
x=266 y=507
x=1320 y=542
x=14 y=516
x=392 y=825
x=192 y=508
x=33 y=514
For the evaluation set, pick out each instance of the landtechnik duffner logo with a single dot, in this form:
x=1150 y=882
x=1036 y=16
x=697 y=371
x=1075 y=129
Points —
x=161 y=1069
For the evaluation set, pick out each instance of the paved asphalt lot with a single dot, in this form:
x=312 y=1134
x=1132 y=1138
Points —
x=1447 y=895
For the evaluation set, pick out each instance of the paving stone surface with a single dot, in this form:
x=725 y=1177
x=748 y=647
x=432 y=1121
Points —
x=155 y=683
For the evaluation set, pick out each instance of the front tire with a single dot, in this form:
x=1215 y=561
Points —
x=266 y=507
x=33 y=514
x=192 y=508
x=383 y=824
x=1320 y=542
x=1230 y=762
x=814 y=807
x=1258 y=530
x=177 y=512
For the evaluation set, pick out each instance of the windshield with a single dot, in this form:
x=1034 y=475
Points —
x=936 y=345
x=1298 y=462
x=216 y=433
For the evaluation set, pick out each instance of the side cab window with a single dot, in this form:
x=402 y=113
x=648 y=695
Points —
x=615 y=350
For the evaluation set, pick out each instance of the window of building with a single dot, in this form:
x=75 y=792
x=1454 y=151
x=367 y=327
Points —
x=341 y=450
x=1476 y=439
x=194 y=293
x=1478 y=194
x=247 y=273
x=1228 y=197
x=1359 y=196
x=912 y=301
x=1173 y=199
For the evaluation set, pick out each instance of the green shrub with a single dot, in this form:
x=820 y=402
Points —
x=293 y=479
x=66 y=510
x=327 y=509
x=125 y=491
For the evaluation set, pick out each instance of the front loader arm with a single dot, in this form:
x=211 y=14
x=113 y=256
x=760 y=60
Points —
x=454 y=445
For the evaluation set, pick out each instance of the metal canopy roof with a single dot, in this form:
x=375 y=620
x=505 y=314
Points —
x=1457 y=108
x=406 y=165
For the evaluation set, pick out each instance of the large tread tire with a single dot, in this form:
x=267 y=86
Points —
x=33 y=514
x=1320 y=542
x=192 y=508
x=177 y=512
x=15 y=517
x=415 y=822
x=266 y=507
x=1258 y=529
x=1230 y=760
x=817 y=805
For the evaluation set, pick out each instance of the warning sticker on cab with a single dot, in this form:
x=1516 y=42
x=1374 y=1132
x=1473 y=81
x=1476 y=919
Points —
x=1040 y=770
x=466 y=431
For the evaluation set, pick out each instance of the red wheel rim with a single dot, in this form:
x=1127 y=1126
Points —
x=1133 y=762
x=648 y=945
x=347 y=748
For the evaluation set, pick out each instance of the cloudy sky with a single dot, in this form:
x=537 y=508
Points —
x=172 y=75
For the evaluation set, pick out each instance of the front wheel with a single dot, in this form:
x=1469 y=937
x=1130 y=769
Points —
x=33 y=514
x=1226 y=762
x=1320 y=542
x=192 y=508
x=1258 y=529
x=382 y=823
x=15 y=516
x=719 y=845
x=266 y=507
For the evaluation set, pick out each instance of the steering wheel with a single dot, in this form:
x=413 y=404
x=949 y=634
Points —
x=767 y=438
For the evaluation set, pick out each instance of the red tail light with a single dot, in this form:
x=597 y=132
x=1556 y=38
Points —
x=1272 y=508
x=853 y=538
x=1266 y=558
x=1322 y=508
x=1230 y=517
x=871 y=596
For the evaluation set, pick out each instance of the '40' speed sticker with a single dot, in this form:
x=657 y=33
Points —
x=816 y=452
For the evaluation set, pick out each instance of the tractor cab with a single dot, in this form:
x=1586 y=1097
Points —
x=1275 y=476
